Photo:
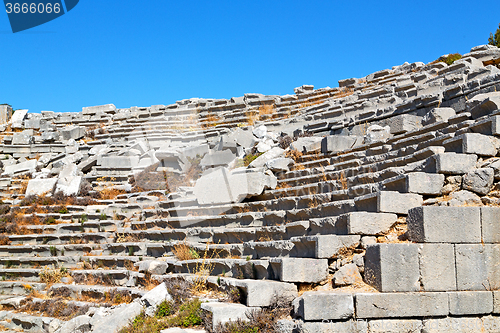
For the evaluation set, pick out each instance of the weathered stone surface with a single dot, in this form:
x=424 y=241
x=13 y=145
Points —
x=222 y=186
x=392 y=267
x=453 y=163
x=463 y=198
x=269 y=155
x=307 y=144
x=479 y=181
x=69 y=185
x=471 y=143
x=72 y=132
x=424 y=183
x=263 y=292
x=316 y=306
x=437 y=115
x=477 y=266
x=470 y=302
x=403 y=123
x=5 y=113
x=398 y=203
x=279 y=164
x=77 y=324
x=453 y=325
x=154 y=297
x=91 y=110
x=444 y=224
x=483 y=104
x=496 y=301
x=350 y=326
x=336 y=143
x=300 y=269
x=376 y=133
x=347 y=275
x=395 y=326
x=18 y=117
x=117 y=319
x=437 y=267
x=154 y=267
x=490 y=224
x=365 y=223
x=20 y=167
x=225 y=312
x=394 y=305
x=23 y=138
x=40 y=186
x=217 y=158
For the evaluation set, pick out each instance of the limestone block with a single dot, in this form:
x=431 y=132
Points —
x=5 y=113
x=40 y=186
x=263 y=292
x=77 y=324
x=403 y=123
x=477 y=266
x=350 y=326
x=72 y=132
x=471 y=143
x=269 y=155
x=424 y=183
x=496 y=301
x=470 y=302
x=394 y=305
x=92 y=110
x=490 y=224
x=366 y=223
x=307 y=144
x=23 y=138
x=398 y=203
x=18 y=118
x=454 y=325
x=279 y=164
x=117 y=319
x=336 y=143
x=347 y=275
x=437 y=267
x=29 y=165
x=453 y=163
x=392 y=267
x=479 y=180
x=438 y=115
x=217 y=158
x=325 y=305
x=483 y=104
x=225 y=312
x=300 y=269
x=395 y=326
x=376 y=133
x=444 y=224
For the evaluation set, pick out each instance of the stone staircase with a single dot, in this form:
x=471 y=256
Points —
x=377 y=197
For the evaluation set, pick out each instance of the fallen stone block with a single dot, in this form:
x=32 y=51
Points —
x=324 y=246
x=307 y=144
x=72 y=132
x=5 y=113
x=155 y=297
x=479 y=181
x=402 y=305
x=366 y=223
x=40 y=186
x=453 y=163
x=403 y=123
x=437 y=115
x=437 y=267
x=18 y=118
x=172 y=160
x=225 y=312
x=337 y=143
x=299 y=269
x=347 y=275
x=269 y=155
x=77 y=324
x=477 y=266
x=392 y=267
x=23 y=138
x=28 y=166
x=222 y=186
x=217 y=158
x=444 y=224
x=115 y=320
x=470 y=302
x=325 y=305
x=279 y=164
x=69 y=185
x=154 y=267
x=376 y=133
x=490 y=224
x=471 y=143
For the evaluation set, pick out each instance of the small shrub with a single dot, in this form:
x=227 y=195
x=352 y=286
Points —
x=450 y=58
x=103 y=216
x=49 y=220
x=166 y=308
x=63 y=210
x=185 y=252
x=52 y=275
x=53 y=251
x=189 y=314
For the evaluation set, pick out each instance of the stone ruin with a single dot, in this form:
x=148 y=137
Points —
x=371 y=207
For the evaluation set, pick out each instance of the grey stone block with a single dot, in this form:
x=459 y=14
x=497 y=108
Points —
x=118 y=318
x=398 y=203
x=453 y=325
x=490 y=224
x=225 y=312
x=402 y=305
x=324 y=305
x=92 y=110
x=437 y=115
x=217 y=158
x=279 y=164
x=444 y=224
x=334 y=327
x=376 y=133
x=392 y=267
x=470 y=302
x=5 y=113
x=263 y=292
x=483 y=104
x=307 y=144
x=437 y=267
x=471 y=143
x=23 y=138
x=491 y=324
x=72 y=132
x=477 y=266
x=40 y=186
x=479 y=181
x=20 y=167
x=347 y=275
x=424 y=183
x=365 y=223
x=18 y=118
x=336 y=143
x=328 y=246
x=271 y=154
x=404 y=123
x=77 y=324
x=395 y=326
x=453 y=163
x=300 y=269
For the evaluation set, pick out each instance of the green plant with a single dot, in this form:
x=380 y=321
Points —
x=249 y=158
x=8 y=264
x=103 y=216
x=49 y=220
x=189 y=314
x=166 y=308
x=450 y=58
x=63 y=210
x=53 y=251
x=84 y=218
x=495 y=39
x=131 y=250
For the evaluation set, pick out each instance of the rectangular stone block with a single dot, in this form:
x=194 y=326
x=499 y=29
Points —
x=325 y=305
x=72 y=132
x=20 y=167
x=263 y=292
x=91 y=110
x=437 y=267
x=478 y=266
x=444 y=224
x=327 y=246
x=402 y=305
x=5 y=113
x=452 y=163
x=471 y=143
x=300 y=269
x=392 y=267
x=470 y=302
x=398 y=203
x=395 y=326
x=496 y=302
x=490 y=224
x=424 y=183
x=366 y=223
x=404 y=123
x=224 y=312
x=40 y=186
x=336 y=143
x=454 y=325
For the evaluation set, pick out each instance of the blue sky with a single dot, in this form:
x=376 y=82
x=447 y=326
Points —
x=142 y=53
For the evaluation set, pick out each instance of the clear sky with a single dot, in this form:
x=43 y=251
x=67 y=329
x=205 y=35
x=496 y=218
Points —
x=142 y=53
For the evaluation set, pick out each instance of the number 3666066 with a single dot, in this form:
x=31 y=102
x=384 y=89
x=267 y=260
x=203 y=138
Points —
x=32 y=8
